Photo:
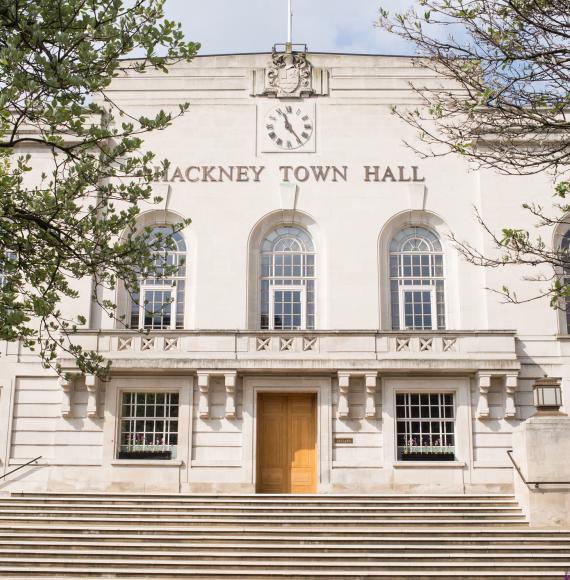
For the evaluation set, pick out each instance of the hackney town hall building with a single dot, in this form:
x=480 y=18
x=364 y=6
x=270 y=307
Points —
x=321 y=334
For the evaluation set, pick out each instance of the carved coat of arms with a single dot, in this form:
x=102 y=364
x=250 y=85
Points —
x=289 y=75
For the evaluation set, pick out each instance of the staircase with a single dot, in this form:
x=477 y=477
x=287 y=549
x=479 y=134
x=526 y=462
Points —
x=79 y=536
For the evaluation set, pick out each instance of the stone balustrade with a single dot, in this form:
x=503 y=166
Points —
x=474 y=351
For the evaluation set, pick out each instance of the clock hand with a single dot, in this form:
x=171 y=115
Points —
x=289 y=128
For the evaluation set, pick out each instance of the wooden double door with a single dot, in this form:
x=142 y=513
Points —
x=286 y=443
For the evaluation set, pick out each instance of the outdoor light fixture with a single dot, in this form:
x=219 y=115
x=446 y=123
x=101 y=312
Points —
x=547 y=395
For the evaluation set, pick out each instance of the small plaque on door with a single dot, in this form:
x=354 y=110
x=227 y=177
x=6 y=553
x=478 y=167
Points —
x=344 y=440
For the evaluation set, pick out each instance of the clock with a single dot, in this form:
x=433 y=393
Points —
x=289 y=127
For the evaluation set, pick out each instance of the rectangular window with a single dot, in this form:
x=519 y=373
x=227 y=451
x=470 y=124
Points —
x=418 y=308
x=287 y=307
x=149 y=425
x=157 y=308
x=425 y=425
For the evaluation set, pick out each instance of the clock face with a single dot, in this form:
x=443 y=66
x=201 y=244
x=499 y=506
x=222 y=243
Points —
x=289 y=127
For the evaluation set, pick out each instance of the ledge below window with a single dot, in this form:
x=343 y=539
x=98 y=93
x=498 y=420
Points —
x=427 y=464
x=148 y=462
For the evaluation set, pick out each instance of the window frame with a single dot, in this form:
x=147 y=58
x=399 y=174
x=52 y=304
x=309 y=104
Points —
x=308 y=253
x=287 y=288
x=462 y=387
x=403 y=289
x=425 y=392
x=120 y=419
x=430 y=281
x=165 y=285
x=111 y=427
x=172 y=304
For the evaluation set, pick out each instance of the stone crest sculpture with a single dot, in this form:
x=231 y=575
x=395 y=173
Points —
x=289 y=75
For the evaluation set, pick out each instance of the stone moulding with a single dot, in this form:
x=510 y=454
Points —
x=491 y=352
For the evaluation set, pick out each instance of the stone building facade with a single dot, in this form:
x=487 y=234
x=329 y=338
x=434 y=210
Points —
x=322 y=333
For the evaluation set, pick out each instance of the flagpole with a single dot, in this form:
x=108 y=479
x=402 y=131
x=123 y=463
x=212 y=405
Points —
x=290 y=27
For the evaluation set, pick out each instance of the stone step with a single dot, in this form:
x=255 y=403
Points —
x=275 y=513
x=148 y=566
x=260 y=497
x=118 y=541
x=102 y=511
x=291 y=500
x=288 y=574
x=253 y=546
x=236 y=508
x=338 y=551
x=416 y=520
x=358 y=533
x=30 y=574
x=396 y=554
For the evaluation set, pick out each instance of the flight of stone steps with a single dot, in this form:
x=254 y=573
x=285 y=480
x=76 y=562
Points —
x=79 y=536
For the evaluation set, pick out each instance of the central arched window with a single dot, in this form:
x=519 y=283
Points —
x=417 y=280
x=287 y=281
x=159 y=304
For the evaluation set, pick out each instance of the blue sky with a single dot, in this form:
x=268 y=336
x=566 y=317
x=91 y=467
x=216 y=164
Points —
x=226 y=26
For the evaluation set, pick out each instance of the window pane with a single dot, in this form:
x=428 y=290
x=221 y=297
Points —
x=151 y=433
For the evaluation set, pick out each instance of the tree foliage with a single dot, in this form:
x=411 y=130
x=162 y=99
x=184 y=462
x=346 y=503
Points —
x=503 y=103
x=77 y=219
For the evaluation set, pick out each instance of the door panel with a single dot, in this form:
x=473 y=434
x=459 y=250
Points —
x=272 y=443
x=302 y=437
x=286 y=443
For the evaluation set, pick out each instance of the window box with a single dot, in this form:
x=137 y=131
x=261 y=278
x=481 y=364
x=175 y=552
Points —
x=422 y=456
x=145 y=454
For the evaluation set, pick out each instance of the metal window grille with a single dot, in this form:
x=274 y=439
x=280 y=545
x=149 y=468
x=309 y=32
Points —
x=425 y=425
x=159 y=305
x=287 y=281
x=149 y=425
x=417 y=282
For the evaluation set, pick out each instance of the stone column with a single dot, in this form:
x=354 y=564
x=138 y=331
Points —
x=66 y=384
x=204 y=400
x=91 y=383
x=343 y=408
x=230 y=384
x=484 y=386
x=370 y=382
x=511 y=381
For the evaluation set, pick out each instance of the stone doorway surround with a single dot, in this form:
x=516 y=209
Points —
x=321 y=386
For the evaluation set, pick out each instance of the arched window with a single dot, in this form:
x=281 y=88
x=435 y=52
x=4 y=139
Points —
x=417 y=280
x=565 y=247
x=287 y=282
x=159 y=305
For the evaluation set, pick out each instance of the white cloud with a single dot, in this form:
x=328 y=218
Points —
x=234 y=26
